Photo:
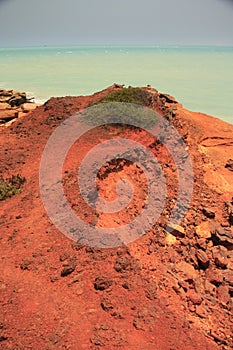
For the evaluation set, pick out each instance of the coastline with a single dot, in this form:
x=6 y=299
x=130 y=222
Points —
x=25 y=103
x=198 y=77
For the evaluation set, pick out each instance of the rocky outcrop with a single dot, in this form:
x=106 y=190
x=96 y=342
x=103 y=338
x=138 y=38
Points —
x=13 y=105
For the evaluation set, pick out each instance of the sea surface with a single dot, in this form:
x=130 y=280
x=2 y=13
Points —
x=201 y=78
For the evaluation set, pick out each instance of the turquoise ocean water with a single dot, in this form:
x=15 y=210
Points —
x=201 y=78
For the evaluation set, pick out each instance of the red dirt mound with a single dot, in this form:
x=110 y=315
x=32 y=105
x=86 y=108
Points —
x=163 y=290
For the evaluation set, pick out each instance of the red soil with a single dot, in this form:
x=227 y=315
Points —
x=57 y=294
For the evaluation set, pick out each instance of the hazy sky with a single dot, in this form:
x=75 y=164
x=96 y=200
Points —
x=116 y=22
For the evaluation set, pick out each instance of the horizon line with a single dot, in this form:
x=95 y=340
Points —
x=118 y=46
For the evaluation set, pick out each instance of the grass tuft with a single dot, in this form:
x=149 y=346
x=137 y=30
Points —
x=11 y=186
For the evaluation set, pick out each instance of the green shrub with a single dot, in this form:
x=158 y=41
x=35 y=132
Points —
x=129 y=95
x=127 y=107
x=11 y=186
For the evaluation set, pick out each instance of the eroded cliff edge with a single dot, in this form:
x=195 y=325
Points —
x=162 y=291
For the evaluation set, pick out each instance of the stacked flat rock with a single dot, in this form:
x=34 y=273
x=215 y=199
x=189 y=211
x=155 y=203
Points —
x=13 y=105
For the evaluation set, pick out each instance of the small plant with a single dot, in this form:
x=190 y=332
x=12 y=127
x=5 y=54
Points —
x=123 y=109
x=129 y=95
x=11 y=186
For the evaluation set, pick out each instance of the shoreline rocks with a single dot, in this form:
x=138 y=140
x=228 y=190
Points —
x=13 y=105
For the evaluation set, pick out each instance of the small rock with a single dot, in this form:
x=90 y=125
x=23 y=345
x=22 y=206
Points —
x=229 y=207
x=220 y=261
x=106 y=304
x=69 y=267
x=67 y=270
x=25 y=264
x=208 y=213
x=145 y=318
x=3 y=338
x=4 y=105
x=54 y=278
x=176 y=230
x=218 y=337
x=17 y=99
x=7 y=115
x=202 y=243
x=126 y=285
x=184 y=285
x=168 y=98
x=223 y=236
x=223 y=294
x=29 y=106
x=102 y=283
x=229 y=164
x=170 y=239
x=75 y=279
x=202 y=258
x=194 y=297
x=203 y=230
x=64 y=256
x=21 y=114
x=215 y=276
x=220 y=256
x=151 y=291
x=201 y=311
x=126 y=263
x=228 y=277
x=209 y=288
x=187 y=271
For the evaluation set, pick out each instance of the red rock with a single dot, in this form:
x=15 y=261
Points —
x=176 y=230
x=215 y=276
x=228 y=277
x=220 y=256
x=202 y=258
x=27 y=107
x=187 y=271
x=203 y=230
x=194 y=297
x=102 y=283
x=229 y=164
x=4 y=106
x=209 y=213
x=201 y=311
x=223 y=294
